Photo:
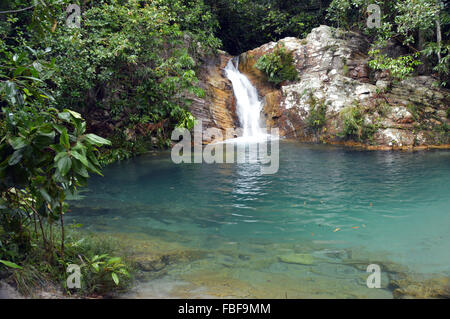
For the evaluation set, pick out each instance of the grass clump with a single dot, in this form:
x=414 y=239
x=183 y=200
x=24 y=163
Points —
x=317 y=113
x=415 y=110
x=102 y=272
x=354 y=125
x=278 y=66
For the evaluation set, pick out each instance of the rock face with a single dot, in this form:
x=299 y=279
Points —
x=333 y=71
x=218 y=108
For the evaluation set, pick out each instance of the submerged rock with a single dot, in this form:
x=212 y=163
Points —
x=431 y=288
x=301 y=259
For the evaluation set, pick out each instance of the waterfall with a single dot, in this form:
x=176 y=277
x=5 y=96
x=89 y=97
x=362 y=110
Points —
x=248 y=103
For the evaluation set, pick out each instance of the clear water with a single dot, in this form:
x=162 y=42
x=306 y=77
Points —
x=324 y=200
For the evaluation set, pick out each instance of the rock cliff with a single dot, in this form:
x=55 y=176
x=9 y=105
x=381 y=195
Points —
x=218 y=107
x=333 y=73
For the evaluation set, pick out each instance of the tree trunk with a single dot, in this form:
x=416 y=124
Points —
x=438 y=32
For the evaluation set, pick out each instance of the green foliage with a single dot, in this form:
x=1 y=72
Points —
x=125 y=149
x=196 y=20
x=278 y=66
x=91 y=252
x=45 y=154
x=134 y=57
x=10 y=264
x=415 y=110
x=131 y=64
x=442 y=67
x=399 y=68
x=414 y=24
x=104 y=266
x=317 y=113
x=102 y=272
x=339 y=13
x=247 y=24
x=355 y=126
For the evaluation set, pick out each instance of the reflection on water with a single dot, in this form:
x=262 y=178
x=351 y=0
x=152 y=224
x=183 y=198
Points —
x=323 y=199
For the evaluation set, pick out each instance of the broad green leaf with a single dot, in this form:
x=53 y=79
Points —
x=61 y=153
x=15 y=158
x=74 y=114
x=96 y=140
x=10 y=264
x=114 y=260
x=64 y=139
x=59 y=128
x=92 y=168
x=45 y=194
x=64 y=164
x=83 y=128
x=96 y=267
x=80 y=157
x=17 y=142
x=115 y=278
x=65 y=116
x=124 y=272
x=19 y=71
x=31 y=78
x=79 y=169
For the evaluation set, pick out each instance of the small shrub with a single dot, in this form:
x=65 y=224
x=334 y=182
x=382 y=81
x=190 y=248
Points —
x=415 y=110
x=101 y=272
x=278 y=66
x=384 y=109
x=400 y=68
x=354 y=125
x=317 y=113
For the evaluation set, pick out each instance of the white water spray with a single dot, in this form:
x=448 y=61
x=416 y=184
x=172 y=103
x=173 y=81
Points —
x=248 y=104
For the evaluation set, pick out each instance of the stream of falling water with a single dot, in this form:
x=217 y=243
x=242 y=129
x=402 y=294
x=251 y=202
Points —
x=248 y=103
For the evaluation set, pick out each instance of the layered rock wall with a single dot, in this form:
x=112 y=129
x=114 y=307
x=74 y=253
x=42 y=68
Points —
x=333 y=69
x=217 y=108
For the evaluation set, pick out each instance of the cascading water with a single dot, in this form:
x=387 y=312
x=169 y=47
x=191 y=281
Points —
x=248 y=103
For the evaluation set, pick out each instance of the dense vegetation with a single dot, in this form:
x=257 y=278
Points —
x=278 y=66
x=420 y=27
x=124 y=74
x=247 y=24
x=127 y=74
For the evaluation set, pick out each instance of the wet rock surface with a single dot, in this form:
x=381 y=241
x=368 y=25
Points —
x=408 y=288
x=261 y=270
x=217 y=109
